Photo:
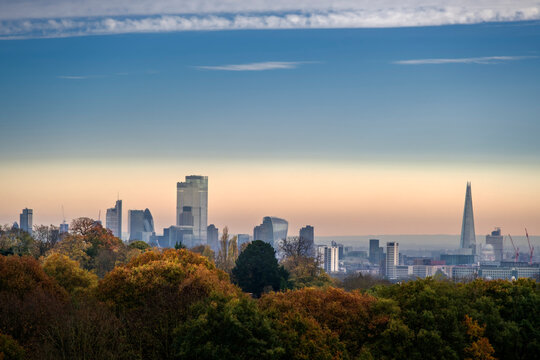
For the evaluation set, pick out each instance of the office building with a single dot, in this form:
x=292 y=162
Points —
x=64 y=228
x=113 y=220
x=496 y=241
x=376 y=252
x=213 y=237
x=392 y=260
x=141 y=225
x=193 y=194
x=272 y=230
x=307 y=233
x=468 y=237
x=242 y=239
x=328 y=257
x=26 y=220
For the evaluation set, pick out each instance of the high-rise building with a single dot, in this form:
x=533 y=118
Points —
x=308 y=234
x=374 y=253
x=213 y=237
x=141 y=225
x=26 y=220
x=242 y=239
x=496 y=241
x=272 y=230
x=64 y=228
x=392 y=260
x=113 y=219
x=468 y=237
x=328 y=258
x=193 y=193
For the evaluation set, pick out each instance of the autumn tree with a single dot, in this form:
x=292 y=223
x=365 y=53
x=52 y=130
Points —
x=68 y=273
x=154 y=291
x=205 y=251
x=479 y=348
x=46 y=238
x=257 y=269
x=228 y=251
x=298 y=260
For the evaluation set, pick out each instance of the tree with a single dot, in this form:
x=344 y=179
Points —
x=227 y=328
x=296 y=247
x=257 y=269
x=303 y=268
x=153 y=293
x=17 y=242
x=361 y=281
x=140 y=245
x=480 y=348
x=68 y=273
x=46 y=237
x=205 y=251
x=10 y=349
x=228 y=252
x=82 y=226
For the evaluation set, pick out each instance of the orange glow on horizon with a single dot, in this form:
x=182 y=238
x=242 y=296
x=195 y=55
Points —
x=337 y=199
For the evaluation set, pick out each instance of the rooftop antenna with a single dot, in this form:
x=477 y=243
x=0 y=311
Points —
x=63 y=215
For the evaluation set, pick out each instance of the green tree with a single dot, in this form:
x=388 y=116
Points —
x=257 y=269
x=140 y=245
x=227 y=328
x=10 y=349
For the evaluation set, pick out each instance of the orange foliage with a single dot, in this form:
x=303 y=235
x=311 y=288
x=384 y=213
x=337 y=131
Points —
x=350 y=316
x=181 y=274
x=480 y=347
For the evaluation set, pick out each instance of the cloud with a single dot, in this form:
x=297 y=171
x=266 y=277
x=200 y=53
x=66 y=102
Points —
x=471 y=60
x=73 y=77
x=62 y=18
x=259 y=66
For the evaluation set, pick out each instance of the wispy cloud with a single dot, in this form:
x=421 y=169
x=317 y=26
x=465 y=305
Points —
x=470 y=60
x=73 y=77
x=258 y=66
x=62 y=18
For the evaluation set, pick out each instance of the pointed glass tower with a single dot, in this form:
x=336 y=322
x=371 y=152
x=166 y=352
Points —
x=468 y=237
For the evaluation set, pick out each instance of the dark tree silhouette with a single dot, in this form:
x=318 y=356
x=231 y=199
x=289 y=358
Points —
x=257 y=269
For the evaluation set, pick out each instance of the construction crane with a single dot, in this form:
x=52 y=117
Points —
x=516 y=250
x=531 y=248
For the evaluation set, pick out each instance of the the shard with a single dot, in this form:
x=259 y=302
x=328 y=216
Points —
x=468 y=237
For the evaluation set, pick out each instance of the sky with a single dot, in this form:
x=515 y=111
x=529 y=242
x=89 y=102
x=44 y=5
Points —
x=355 y=117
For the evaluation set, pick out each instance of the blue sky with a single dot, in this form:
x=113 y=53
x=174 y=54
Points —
x=344 y=95
x=408 y=99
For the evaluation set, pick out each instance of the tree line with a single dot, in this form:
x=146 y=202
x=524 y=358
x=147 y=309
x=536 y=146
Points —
x=87 y=295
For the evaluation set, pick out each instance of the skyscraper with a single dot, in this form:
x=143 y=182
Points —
x=213 y=237
x=308 y=233
x=26 y=220
x=141 y=225
x=392 y=259
x=113 y=219
x=374 y=254
x=328 y=258
x=272 y=230
x=193 y=193
x=468 y=237
x=496 y=240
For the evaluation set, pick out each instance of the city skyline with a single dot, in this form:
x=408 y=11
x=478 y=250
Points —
x=299 y=225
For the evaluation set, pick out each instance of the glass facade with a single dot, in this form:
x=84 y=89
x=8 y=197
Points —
x=193 y=194
x=113 y=220
x=272 y=230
